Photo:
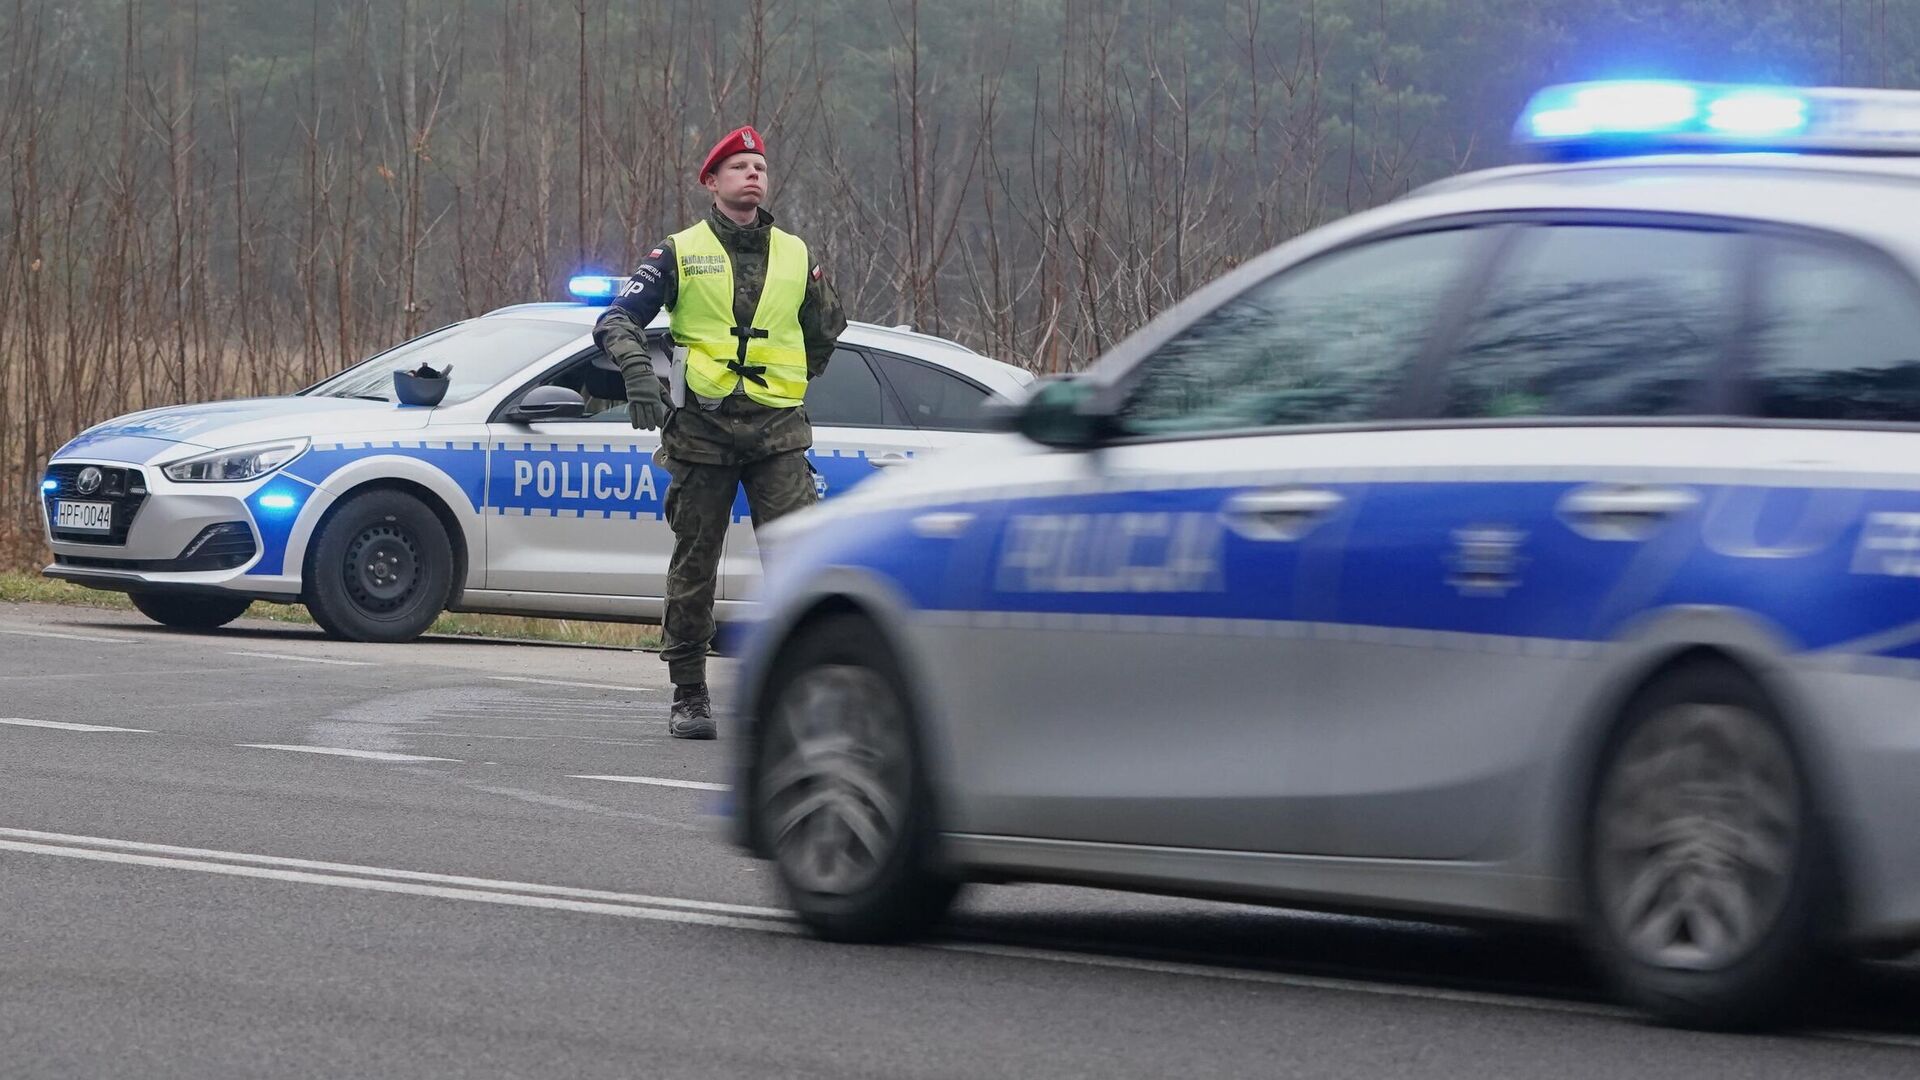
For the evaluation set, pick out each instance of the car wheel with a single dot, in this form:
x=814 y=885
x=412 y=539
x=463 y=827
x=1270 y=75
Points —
x=380 y=570
x=1708 y=879
x=187 y=611
x=840 y=786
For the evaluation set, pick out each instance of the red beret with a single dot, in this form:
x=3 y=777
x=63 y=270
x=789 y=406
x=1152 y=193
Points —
x=739 y=141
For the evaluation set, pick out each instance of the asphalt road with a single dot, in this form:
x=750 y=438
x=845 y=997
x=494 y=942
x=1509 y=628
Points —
x=256 y=852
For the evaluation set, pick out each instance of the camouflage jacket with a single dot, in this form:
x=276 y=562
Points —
x=748 y=430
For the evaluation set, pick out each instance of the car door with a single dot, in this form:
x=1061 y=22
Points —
x=1152 y=607
x=1495 y=546
x=859 y=429
x=575 y=506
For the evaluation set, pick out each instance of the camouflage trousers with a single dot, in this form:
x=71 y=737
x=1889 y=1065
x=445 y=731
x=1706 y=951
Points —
x=699 y=508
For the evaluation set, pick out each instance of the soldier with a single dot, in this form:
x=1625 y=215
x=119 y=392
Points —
x=753 y=321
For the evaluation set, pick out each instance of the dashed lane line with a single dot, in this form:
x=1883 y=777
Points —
x=217 y=861
x=74 y=637
x=584 y=708
x=341 y=751
x=160 y=673
x=306 y=659
x=61 y=725
x=569 y=719
x=532 y=738
x=660 y=781
x=629 y=687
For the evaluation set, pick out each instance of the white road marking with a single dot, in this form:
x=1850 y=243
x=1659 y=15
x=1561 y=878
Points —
x=737 y=916
x=659 y=781
x=523 y=704
x=535 y=738
x=101 y=675
x=565 y=719
x=540 y=712
x=568 y=708
x=445 y=892
x=341 y=751
x=305 y=659
x=21 y=721
x=75 y=637
x=65 y=841
x=567 y=682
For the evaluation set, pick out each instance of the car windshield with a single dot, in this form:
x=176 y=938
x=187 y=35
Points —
x=482 y=352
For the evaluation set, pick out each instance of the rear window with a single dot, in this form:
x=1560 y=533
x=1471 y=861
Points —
x=1838 y=337
x=934 y=398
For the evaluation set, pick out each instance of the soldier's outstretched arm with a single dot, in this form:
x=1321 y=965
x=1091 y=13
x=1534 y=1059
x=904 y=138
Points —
x=621 y=331
x=822 y=320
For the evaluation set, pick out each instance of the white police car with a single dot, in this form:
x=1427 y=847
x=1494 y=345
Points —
x=524 y=491
x=1544 y=546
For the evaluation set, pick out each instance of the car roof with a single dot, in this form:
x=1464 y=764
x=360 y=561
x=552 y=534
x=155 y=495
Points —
x=996 y=374
x=1777 y=165
x=1869 y=198
x=1874 y=198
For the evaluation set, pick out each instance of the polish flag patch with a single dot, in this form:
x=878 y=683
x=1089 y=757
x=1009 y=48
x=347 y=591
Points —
x=819 y=272
x=656 y=253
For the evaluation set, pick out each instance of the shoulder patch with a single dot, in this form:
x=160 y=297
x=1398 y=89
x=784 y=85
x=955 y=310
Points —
x=819 y=272
x=656 y=253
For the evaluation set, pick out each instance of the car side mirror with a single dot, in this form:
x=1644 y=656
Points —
x=1066 y=414
x=547 y=403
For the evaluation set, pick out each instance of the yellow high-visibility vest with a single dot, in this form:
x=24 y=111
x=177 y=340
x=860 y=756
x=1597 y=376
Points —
x=775 y=362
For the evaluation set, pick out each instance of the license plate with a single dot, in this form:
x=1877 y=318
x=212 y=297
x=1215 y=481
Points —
x=84 y=516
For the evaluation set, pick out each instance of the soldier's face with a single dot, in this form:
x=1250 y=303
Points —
x=740 y=181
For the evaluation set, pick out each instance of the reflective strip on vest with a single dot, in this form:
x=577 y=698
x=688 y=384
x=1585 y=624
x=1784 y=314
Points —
x=775 y=365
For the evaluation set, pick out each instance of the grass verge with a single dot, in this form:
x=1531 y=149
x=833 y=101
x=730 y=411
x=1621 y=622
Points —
x=29 y=588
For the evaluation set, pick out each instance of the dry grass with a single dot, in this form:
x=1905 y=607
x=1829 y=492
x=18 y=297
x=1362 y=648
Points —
x=28 y=588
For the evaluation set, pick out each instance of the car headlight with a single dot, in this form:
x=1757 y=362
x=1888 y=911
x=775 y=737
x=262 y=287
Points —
x=237 y=463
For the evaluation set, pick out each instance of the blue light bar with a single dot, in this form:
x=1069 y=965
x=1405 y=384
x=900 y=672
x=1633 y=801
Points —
x=594 y=287
x=49 y=484
x=1757 y=112
x=1646 y=116
x=1613 y=109
x=278 y=501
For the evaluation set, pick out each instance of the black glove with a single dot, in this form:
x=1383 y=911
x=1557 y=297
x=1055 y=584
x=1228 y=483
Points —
x=647 y=412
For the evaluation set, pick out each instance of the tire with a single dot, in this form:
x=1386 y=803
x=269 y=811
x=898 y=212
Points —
x=837 y=773
x=190 y=611
x=1708 y=876
x=380 y=570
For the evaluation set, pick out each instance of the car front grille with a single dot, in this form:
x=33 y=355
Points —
x=218 y=547
x=123 y=487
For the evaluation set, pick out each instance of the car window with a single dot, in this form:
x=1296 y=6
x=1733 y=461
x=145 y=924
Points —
x=935 y=398
x=598 y=381
x=482 y=352
x=1328 y=341
x=846 y=394
x=1597 y=321
x=1838 y=337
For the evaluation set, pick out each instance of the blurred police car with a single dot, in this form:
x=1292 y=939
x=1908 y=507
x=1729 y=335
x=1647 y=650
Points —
x=1544 y=546
x=524 y=491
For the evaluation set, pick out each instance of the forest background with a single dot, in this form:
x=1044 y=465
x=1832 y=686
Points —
x=220 y=198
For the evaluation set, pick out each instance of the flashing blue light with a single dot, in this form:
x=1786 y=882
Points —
x=1651 y=113
x=1622 y=108
x=594 y=287
x=1757 y=112
x=278 y=501
x=49 y=484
